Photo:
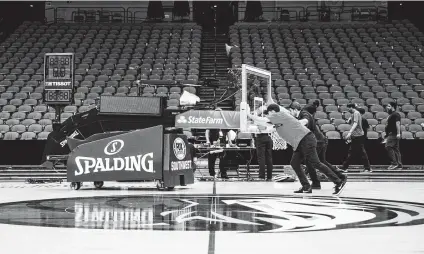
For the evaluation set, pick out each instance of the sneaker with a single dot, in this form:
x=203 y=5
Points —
x=367 y=171
x=391 y=167
x=399 y=167
x=269 y=179
x=344 y=170
x=304 y=190
x=339 y=187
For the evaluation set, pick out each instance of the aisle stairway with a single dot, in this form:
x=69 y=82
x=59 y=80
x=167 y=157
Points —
x=214 y=65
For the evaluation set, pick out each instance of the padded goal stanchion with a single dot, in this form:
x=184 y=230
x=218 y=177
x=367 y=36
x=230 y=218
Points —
x=146 y=154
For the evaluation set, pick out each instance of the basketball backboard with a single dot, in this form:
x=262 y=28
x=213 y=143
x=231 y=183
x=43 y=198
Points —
x=254 y=82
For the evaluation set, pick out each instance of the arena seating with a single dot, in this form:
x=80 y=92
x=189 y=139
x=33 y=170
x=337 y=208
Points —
x=365 y=63
x=110 y=59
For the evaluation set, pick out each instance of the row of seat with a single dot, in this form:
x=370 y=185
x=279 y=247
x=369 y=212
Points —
x=21 y=128
x=376 y=135
x=24 y=136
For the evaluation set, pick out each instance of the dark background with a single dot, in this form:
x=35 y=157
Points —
x=30 y=152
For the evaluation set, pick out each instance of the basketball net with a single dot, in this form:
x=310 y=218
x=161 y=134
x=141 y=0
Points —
x=278 y=143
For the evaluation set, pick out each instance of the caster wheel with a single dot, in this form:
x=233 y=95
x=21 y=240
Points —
x=170 y=188
x=75 y=185
x=98 y=184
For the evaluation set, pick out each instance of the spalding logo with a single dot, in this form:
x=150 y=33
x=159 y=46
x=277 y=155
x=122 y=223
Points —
x=114 y=147
x=179 y=148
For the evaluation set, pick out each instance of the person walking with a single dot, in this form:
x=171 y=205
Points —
x=303 y=142
x=356 y=137
x=393 y=135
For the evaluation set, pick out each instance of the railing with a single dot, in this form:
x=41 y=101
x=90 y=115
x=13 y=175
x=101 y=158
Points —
x=273 y=12
x=90 y=14
x=139 y=14
x=107 y=14
x=342 y=13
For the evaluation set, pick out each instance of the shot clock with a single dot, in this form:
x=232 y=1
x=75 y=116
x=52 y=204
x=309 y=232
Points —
x=58 y=78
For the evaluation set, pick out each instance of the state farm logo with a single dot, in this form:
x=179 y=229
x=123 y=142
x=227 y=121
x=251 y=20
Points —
x=200 y=120
x=182 y=119
x=179 y=148
x=114 y=147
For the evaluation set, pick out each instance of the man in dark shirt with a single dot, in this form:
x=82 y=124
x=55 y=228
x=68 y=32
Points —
x=264 y=144
x=393 y=135
x=312 y=108
x=305 y=116
x=213 y=135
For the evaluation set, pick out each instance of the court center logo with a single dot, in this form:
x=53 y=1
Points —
x=239 y=213
x=179 y=148
x=114 y=147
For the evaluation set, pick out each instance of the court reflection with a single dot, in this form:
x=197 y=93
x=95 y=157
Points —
x=243 y=213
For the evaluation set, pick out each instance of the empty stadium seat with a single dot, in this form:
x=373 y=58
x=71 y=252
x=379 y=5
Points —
x=372 y=135
x=28 y=136
x=11 y=136
x=333 y=135
x=43 y=135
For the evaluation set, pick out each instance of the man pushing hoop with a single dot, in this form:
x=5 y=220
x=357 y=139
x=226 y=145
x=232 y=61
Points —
x=304 y=145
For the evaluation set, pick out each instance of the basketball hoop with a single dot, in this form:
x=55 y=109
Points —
x=257 y=103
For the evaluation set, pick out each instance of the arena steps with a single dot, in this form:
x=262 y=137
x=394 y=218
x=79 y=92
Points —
x=214 y=61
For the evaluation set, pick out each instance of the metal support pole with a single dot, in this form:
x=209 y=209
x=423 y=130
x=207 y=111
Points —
x=58 y=109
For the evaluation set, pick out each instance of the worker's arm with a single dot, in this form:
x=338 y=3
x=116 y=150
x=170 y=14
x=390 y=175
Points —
x=398 y=129
x=207 y=136
x=304 y=121
x=354 y=125
x=258 y=118
x=262 y=121
x=228 y=137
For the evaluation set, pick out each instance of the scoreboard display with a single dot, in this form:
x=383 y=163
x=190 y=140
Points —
x=58 y=78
